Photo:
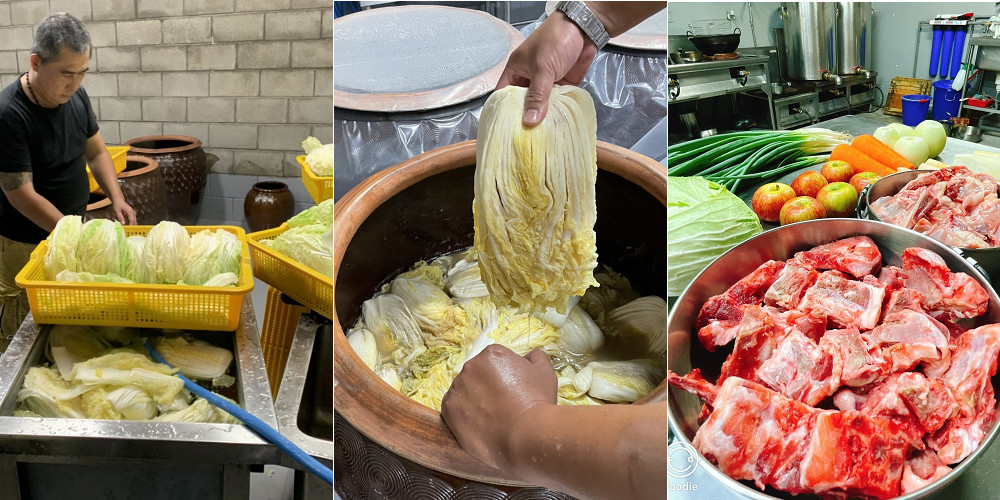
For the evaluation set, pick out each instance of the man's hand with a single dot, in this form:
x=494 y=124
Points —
x=124 y=212
x=556 y=52
x=494 y=390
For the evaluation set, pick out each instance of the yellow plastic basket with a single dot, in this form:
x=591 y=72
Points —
x=118 y=154
x=320 y=188
x=136 y=304
x=305 y=285
x=276 y=335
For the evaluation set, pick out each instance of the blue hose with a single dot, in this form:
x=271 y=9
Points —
x=257 y=425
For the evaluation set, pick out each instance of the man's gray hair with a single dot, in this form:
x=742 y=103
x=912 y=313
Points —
x=57 y=31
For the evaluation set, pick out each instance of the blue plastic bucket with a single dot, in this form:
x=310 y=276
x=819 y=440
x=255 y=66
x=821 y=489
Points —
x=915 y=108
x=946 y=100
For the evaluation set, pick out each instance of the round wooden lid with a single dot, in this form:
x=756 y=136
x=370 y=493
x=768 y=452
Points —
x=417 y=57
x=650 y=34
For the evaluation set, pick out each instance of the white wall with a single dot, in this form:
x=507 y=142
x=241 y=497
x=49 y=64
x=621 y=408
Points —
x=894 y=27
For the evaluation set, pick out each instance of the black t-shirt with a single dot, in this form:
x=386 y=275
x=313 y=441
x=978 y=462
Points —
x=49 y=143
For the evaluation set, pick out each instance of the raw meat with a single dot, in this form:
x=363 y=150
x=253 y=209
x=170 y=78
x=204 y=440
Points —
x=908 y=337
x=756 y=433
x=856 y=256
x=946 y=294
x=920 y=470
x=844 y=301
x=799 y=369
x=860 y=357
x=719 y=319
x=952 y=205
x=793 y=281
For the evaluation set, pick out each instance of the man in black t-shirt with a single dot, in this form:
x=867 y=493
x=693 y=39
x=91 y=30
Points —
x=48 y=134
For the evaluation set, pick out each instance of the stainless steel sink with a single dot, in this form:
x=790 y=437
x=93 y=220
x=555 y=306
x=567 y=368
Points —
x=53 y=457
x=304 y=406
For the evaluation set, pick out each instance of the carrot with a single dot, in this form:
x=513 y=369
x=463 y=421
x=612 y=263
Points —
x=860 y=161
x=881 y=153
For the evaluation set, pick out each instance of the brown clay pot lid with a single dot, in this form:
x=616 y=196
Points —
x=396 y=422
x=188 y=143
x=149 y=165
x=418 y=57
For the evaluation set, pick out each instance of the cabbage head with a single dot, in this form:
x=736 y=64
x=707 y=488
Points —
x=704 y=220
x=319 y=214
x=135 y=266
x=212 y=253
x=166 y=252
x=102 y=248
x=311 y=245
x=60 y=254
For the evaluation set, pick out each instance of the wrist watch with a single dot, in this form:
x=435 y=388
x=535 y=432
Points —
x=579 y=13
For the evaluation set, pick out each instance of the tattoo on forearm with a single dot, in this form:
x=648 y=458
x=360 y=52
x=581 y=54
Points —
x=9 y=181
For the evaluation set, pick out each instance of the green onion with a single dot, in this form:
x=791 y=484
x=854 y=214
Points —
x=730 y=158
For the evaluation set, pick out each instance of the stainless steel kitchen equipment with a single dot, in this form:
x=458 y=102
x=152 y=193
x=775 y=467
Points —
x=304 y=405
x=854 y=38
x=52 y=458
x=810 y=37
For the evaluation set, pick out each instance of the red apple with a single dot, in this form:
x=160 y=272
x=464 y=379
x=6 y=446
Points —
x=862 y=179
x=839 y=199
x=769 y=198
x=801 y=208
x=808 y=183
x=837 y=171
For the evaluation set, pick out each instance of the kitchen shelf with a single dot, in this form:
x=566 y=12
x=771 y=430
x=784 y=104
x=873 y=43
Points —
x=984 y=110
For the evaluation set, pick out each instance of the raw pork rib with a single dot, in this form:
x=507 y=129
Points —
x=906 y=377
x=719 y=319
x=756 y=433
x=846 y=302
x=856 y=256
x=945 y=293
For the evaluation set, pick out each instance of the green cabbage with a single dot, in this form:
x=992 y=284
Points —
x=166 y=252
x=212 y=253
x=60 y=255
x=704 y=220
x=102 y=248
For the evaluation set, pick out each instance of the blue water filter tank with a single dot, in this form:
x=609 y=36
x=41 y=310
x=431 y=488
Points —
x=957 y=52
x=946 y=46
x=935 y=50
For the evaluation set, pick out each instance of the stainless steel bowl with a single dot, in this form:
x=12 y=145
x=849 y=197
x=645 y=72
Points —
x=987 y=260
x=969 y=133
x=686 y=353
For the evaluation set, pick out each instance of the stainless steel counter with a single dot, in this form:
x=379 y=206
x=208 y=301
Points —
x=61 y=458
x=685 y=481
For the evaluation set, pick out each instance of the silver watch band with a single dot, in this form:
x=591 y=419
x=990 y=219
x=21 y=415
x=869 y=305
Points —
x=579 y=13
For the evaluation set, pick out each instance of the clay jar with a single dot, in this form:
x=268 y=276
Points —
x=267 y=205
x=142 y=186
x=99 y=207
x=184 y=168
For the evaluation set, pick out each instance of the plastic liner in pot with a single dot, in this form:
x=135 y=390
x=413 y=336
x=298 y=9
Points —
x=410 y=79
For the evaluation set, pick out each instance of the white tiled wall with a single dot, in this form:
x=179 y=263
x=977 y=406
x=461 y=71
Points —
x=222 y=201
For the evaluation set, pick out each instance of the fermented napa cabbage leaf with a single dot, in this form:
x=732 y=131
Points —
x=642 y=321
x=535 y=205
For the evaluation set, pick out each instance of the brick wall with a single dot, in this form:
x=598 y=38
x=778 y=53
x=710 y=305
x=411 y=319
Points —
x=250 y=78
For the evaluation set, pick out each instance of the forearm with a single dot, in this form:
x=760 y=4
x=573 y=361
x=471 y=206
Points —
x=35 y=207
x=572 y=448
x=619 y=17
x=103 y=170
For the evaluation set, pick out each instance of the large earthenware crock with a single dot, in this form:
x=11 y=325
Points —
x=142 y=186
x=422 y=208
x=185 y=171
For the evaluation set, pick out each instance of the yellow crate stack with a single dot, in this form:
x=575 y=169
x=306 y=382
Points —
x=280 y=322
x=118 y=157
